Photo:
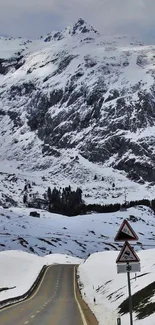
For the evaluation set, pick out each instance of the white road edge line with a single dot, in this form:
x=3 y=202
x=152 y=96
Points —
x=32 y=316
x=27 y=299
x=80 y=309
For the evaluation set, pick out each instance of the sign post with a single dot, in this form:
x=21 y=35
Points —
x=127 y=260
x=118 y=320
x=130 y=297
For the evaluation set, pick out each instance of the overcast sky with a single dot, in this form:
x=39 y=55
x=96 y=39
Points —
x=33 y=18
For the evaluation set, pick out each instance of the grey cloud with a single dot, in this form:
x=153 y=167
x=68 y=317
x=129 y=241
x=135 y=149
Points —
x=35 y=17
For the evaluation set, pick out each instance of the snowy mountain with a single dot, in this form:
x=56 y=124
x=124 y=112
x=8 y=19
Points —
x=75 y=104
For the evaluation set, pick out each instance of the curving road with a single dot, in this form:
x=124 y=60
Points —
x=53 y=303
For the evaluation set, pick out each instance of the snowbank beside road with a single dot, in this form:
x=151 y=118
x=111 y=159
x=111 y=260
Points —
x=19 y=270
x=99 y=280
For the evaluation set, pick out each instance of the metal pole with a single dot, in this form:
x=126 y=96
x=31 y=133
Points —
x=130 y=298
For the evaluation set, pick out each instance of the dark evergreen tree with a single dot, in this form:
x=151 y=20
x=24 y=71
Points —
x=79 y=196
x=25 y=198
x=49 y=194
x=55 y=197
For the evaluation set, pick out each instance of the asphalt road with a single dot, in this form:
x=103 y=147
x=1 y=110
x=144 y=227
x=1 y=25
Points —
x=53 y=303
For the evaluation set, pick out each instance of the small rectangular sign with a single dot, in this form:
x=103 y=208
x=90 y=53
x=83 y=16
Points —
x=128 y=267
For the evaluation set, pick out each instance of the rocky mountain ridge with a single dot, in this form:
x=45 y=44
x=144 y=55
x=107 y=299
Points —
x=75 y=96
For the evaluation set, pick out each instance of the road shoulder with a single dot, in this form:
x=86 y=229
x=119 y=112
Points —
x=89 y=316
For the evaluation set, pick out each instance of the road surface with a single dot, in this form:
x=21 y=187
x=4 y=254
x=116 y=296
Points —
x=53 y=303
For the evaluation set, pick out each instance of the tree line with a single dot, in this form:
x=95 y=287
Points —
x=62 y=201
x=70 y=203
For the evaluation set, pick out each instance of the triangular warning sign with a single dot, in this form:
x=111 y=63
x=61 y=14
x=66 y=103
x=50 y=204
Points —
x=127 y=255
x=126 y=232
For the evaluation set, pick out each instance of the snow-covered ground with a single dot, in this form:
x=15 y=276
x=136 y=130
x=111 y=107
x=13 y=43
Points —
x=77 y=236
x=60 y=239
x=19 y=270
x=99 y=279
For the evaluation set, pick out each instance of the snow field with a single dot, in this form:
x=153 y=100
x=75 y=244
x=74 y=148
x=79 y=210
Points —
x=99 y=279
x=76 y=236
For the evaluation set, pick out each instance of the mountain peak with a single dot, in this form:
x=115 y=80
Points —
x=81 y=26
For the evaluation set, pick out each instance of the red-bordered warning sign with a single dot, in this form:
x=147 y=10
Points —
x=126 y=232
x=127 y=255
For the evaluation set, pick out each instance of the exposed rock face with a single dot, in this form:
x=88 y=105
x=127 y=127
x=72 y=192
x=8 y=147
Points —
x=80 y=27
x=77 y=89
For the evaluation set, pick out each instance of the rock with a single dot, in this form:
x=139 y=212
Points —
x=35 y=214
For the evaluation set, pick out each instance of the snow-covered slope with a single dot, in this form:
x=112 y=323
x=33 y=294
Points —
x=99 y=279
x=74 y=104
x=77 y=236
x=96 y=181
